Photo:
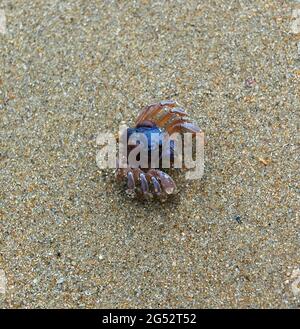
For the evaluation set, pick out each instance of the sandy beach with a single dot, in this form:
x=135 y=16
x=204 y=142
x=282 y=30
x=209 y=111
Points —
x=69 y=235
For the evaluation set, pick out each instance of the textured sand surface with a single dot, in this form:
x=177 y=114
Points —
x=69 y=237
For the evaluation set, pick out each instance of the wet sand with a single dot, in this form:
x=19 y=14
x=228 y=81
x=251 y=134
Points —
x=69 y=236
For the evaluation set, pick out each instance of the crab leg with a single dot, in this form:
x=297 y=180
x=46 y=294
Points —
x=144 y=184
x=156 y=185
x=184 y=127
x=150 y=111
x=175 y=122
x=161 y=121
x=167 y=182
x=130 y=181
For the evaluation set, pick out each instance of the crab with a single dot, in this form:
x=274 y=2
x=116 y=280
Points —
x=159 y=119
